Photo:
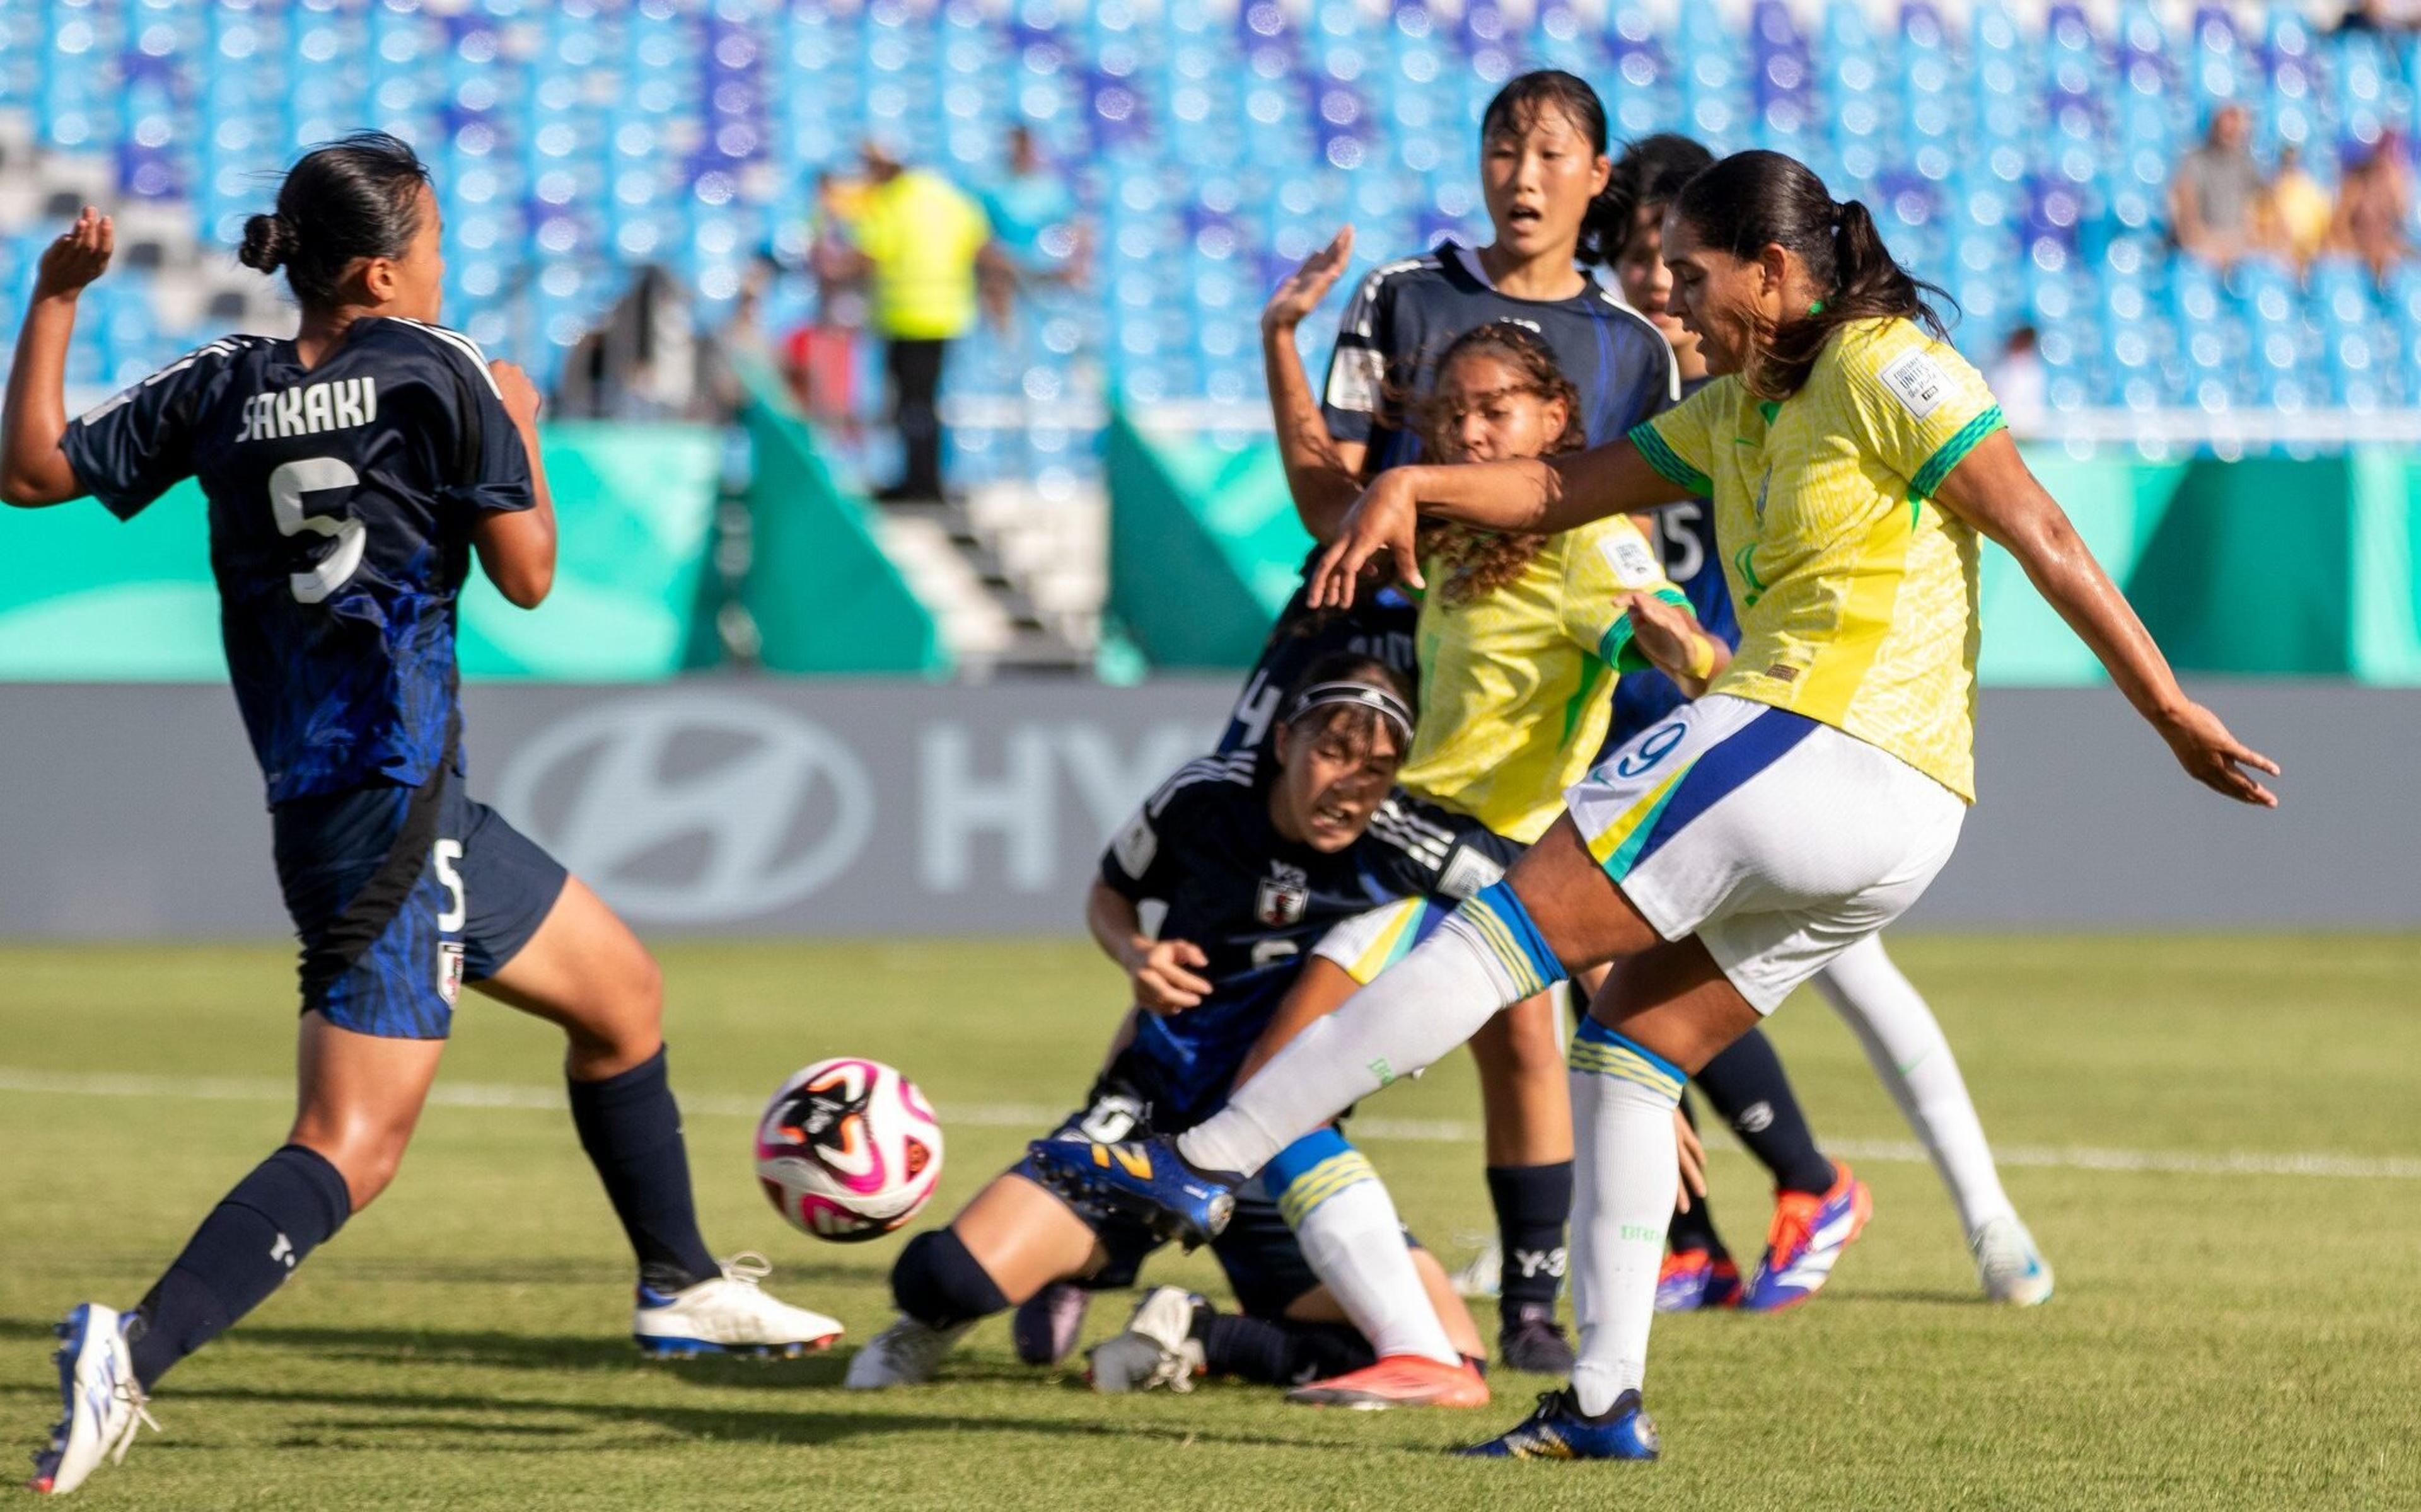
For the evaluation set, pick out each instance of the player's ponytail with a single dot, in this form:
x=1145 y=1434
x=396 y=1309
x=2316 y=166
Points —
x=1754 y=200
x=268 y=242
x=349 y=200
x=1518 y=107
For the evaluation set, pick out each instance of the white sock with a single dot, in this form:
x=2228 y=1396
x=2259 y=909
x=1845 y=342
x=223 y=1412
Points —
x=1622 y=1128
x=1418 y=1009
x=1909 y=1053
x=1355 y=1244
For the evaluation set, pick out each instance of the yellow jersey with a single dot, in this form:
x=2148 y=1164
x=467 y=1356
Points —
x=1856 y=592
x=922 y=235
x=1517 y=685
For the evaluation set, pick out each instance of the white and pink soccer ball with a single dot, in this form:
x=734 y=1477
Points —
x=849 y=1149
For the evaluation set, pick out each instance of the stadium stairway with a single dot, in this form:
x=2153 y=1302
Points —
x=1016 y=579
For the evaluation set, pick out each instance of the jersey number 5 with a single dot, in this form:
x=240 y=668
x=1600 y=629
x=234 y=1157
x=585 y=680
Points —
x=1677 y=524
x=317 y=474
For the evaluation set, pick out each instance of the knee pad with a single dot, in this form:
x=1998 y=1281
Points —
x=937 y=1282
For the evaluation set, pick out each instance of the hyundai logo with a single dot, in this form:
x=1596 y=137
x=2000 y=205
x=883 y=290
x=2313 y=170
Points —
x=692 y=807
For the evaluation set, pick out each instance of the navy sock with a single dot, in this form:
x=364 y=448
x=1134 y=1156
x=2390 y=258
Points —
x=1746 y=1085
x=291 y=1204
x=1279 y=1351
x=1533 y=1203
x=938 y=1282
x=1695 y=1229
x=631 y=1127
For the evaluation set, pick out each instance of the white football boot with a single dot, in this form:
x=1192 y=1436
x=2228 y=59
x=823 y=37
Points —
x=1484 y=1275
x=103 y=1407
x=729 y=1314
x=1157 y=1350
x=2008 y=1266
x=908 y=1353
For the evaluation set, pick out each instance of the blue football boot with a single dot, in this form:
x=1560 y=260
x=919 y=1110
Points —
x=1560 y=1430
x=1144 y=1179
x=1810 y=1231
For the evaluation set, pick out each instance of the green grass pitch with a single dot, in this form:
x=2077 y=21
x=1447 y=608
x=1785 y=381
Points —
x=2220 y=1338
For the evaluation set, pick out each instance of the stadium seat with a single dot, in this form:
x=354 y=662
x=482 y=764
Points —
x=2018 y=155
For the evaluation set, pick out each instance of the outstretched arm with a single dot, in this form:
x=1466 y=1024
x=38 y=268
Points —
x=1534 y=497
x=1323 y=478
x=1992 y=489
x=34 y=467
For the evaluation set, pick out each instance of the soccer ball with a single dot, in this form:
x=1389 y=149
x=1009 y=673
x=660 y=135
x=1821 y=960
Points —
x=849 y=1149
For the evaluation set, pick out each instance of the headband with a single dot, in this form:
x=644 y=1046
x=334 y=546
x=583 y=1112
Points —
x=1360 y=696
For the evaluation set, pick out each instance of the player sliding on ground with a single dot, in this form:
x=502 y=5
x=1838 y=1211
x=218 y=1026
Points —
x=350 y=472
x=1256 y=854
x=1724 y=856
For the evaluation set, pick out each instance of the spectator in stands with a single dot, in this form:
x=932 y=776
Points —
x=919 y=239
x=1033 y=216
x=2374 y=206
x=2299 y=212
x=2017 y=381
x=2380 y=18
x=2217 y=192
x=820 y=356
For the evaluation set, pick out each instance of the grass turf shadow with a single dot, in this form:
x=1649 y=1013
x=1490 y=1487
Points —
x=808 y=1425
x=496 y=1349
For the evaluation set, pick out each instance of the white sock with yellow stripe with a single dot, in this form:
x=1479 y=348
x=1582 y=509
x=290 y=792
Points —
x=1623 y=1097
x=1345 y=1221
x=1487 y=954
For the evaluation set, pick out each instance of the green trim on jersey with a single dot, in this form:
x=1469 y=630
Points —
x=1669 y=463
x=1953 y=452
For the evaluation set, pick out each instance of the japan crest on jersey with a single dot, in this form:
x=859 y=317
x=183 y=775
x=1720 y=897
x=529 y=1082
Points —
x=1283 y=894
x=449 y=970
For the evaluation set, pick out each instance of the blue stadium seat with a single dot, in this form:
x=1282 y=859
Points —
x=2019 y=155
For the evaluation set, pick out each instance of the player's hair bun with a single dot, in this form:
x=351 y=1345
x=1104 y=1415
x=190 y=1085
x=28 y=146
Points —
x=268 y=243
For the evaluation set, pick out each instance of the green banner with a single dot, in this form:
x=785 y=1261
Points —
x=2266 y=567
x=89 y=600
x=1205 y=548
x=822 y=594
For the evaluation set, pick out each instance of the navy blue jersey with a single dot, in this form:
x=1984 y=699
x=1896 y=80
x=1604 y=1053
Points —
x=1379 y=625
x=1406 y=313
x=341 y=502
x=1685 y=537
x=1254 y=901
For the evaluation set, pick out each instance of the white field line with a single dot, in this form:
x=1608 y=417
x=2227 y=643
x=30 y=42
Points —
x=1421 y=1131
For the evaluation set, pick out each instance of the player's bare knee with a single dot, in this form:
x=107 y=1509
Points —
x=364 y=1153
x=643 y=992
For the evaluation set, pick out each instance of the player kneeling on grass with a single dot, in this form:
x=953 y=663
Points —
x=1256 y=854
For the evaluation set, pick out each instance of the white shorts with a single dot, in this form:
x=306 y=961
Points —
x=1777 y=840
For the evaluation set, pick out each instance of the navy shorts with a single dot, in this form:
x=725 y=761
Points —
x=401 y=895
x=1264 y=1263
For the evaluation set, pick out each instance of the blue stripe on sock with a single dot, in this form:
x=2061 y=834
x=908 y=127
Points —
x=1297 y=1160
x=1722 y=769
x=1500 y=900
x=1593 y=1032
